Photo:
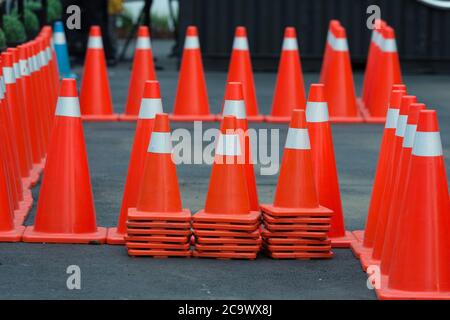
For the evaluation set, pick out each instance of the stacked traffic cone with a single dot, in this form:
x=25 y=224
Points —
x=386 y=73
x=234 y=105
x=324 y=164
x=336 y=75
x=240 y=70
x=158 y=226
x=62 y=53
x=65 y=211
x=143 y=70
x=51 y=55
x=289 y=88
x=150 y=105
x=191 y=100
x=227 y=228
x=420 y=263
x=95 y=95
x=295 y=225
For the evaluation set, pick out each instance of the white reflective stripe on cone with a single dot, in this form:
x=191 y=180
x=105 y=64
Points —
x=95 y=42
x=2 y=91
x=297 y=139
x=375 y=37
x=392 y=118
x=8 y=75
x=16 y=67
x=68 y=107
x=37 y=65
x=338 y=44
x=234 y=108
x=59 y=38
x=2 y=84
x=401 y=126
x=149 y=108
x=316 y=111
x=228 y=145
x=427 y=144
x=143 y=43
x=42 y=58
x=24 y=70
x=160 y=143
x=290 y=44
x=408 y=140
x=389 y=45
x=191 y=42
x=240 y=43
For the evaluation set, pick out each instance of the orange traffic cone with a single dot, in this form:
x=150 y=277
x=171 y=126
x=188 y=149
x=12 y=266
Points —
x=383 y=249
x=420 y=267
x=158 y=210
x=388 y=73
x=324 y=164
x=289 y=88
x=337 y=76
x=234 y=105
x=143 y=70
x=65 y=211
x=328 y=50
x=150 y=105
x=191 y=101
x=365 y=238
x=240 y=70
x=95 y=95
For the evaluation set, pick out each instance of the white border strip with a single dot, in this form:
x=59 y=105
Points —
x=68 y=107
x=160 y=143
x=290 y=44
x=191 y=42
x=317 y=111
x=240 y=43
x=95 y=42
x=392 y=118
x=149 y=108
x=143 y=43
x=427 y=144
x=297 y=139
x=234 y=108
x=401 y=126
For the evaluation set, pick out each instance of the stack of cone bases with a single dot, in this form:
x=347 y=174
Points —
x=364 y=238
x=227 y=228
x=65 y=211
x=191 y=100
x=143 y=69
x=336 y=75
x=324 y=164
x=240 y=70
x=295 y=225
x=420 y=262
x=151 y=104
x=95 y=94
x=289 y=88
x=158 y=226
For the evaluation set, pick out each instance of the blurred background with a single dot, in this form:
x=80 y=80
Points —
x=421 y=27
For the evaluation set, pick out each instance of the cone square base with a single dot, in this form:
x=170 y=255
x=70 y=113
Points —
x=359 y=249
x=14 y=235
x=114 y=237
x=293 y=234
x=342 y=242
x=228 y=234
x=228 y=240
x=19 y=219
x=296 y=227
x=225 y=255
x=100 y=117
x=128 y=117
x=193 y=117
x=296 y=241
x=182 y=216
x=294 y=220
x=225 y=226
x=250 y=218
x=358 y=235
x=297 y=248
x=159 y=225
x=99 y=237
x=295 y=212
x=162 y=232
x=298 y=255
x=277 y=119
x=156 y=245
x=227 y=247
x=366 y=260
x=158 y=253
x=160 y=239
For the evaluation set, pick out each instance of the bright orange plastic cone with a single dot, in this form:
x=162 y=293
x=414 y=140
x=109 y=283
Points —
x=324 y=164
x=95 y=95
x=366 y=237
x=150 y=105
x=420 y=267
x=240 y=70
x=337 y=77
x=143 y=69
x=289 y=88
x=328 y=48
x=234 y=105
x=65 y=211
x=191 y=100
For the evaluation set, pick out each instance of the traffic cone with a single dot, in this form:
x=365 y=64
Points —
x=95 y=95
x=51 y=54
x=62 y=53
x=143 y=70
x=234 y=105
x=191 y=100
x=324 y=164
x=289 y=88
x=296 y=197
x=420 y=266
x=327 y=53
x=396 y=202
x=365 y=237
x=150 y=105
x=65 y=211
x=388 y=73
x=240 y=70
x=158 y=211
x=337 y=77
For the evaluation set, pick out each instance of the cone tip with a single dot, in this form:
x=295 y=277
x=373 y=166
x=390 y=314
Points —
x=413 y=112
x=317 y=92
x=7 y=58
x=241 y=31
x=161 y=123
x=234 y=91
x=405 y=103
x=58 y=26
x=339 y=31
x=68 y=88
x=396 y=98
x=298 y=119
x=95 y=31
x=290 y=32
x=388 y=32
x=192 y=31
x=228 y=123
x=427 y=121
x=152 y=90
x=143 y=32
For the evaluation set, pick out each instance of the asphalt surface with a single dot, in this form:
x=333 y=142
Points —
x=38 y=271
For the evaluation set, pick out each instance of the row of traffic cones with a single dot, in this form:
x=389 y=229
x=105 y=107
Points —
x=408 y=224
x=28 y=90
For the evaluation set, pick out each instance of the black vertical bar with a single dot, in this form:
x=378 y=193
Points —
x=20 y=10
